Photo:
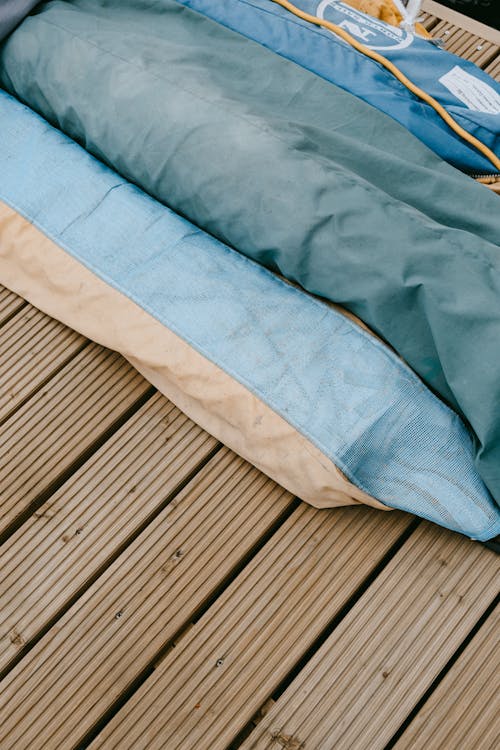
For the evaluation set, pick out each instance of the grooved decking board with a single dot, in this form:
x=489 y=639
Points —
x=464 y=44
x=10 y=303
x=464 y=710
x=32 y=347
x=362 y=683
x=206 y=689
x=140 y=575
x=428 y=21
x=69 y=679
x=449 y=34
x=73 y=534
x=479 y=52
x=60 y=423
x=494 y=68
x=459 y=20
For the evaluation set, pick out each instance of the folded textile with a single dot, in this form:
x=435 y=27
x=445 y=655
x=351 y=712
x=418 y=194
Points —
x=468 y=94
x=291 y=384
x=289 y=170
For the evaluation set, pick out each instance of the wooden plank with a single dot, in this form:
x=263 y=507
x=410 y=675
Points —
x=464 y=711
x=76 y=532
x=207 y=688
x=90 y=656
x=10 y=303
x=452 y=36
x=32 y=348
x=493 y=69
x=478 y=51
x=461 y=21
x=428 y=21
x=477 y=48
x=446 y=32
x=56 y=427
x=73 y=675
x=464 y=44
x=361 y=684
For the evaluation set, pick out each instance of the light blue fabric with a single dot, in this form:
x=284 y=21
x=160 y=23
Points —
x=336 y=384
x=318 y=50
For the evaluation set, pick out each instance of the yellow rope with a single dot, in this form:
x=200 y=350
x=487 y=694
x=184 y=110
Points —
x=488 y=153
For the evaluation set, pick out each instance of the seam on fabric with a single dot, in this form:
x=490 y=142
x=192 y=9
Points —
x=269 y=402
x=200 y=350
x=320 y=160
x=395 y=84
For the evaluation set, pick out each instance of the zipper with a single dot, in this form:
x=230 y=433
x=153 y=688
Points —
x=491 y=181
x=495 y=177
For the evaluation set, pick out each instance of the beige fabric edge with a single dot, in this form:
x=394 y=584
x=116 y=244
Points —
x=37 y=269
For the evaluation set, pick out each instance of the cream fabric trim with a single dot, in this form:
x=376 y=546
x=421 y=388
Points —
x=36 y=268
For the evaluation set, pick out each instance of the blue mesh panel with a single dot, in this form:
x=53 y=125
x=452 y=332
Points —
x=336 y=384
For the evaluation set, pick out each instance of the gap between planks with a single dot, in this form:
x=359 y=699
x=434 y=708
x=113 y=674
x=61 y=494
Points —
x=116 y=629
x=10 y=304
x=81 y=528
x=461 y=21
x=468 y=49
x=43 y=546
x=362 y=683
x=464 y=710
x=226 y=665
x=33 y=348
x=50 y=434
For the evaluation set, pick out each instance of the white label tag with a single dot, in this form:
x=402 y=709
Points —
x=474 y=93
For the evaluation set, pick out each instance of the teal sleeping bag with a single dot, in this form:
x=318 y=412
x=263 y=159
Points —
x=285 y=380
x=467 y=93
x=288 y=169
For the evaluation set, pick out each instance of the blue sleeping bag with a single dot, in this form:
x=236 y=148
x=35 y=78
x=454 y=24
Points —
x=467 y=93
x=291 y=384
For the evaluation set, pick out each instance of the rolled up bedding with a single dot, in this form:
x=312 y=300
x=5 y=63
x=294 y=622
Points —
x=288 y=169
x=294 y=386
x=467 y=93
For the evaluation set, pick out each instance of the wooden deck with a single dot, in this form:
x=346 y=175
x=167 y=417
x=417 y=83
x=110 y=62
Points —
x=159 y=592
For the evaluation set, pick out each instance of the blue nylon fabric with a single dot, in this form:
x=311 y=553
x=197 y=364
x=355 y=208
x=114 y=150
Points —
x=323 y=53
x=336 y=384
